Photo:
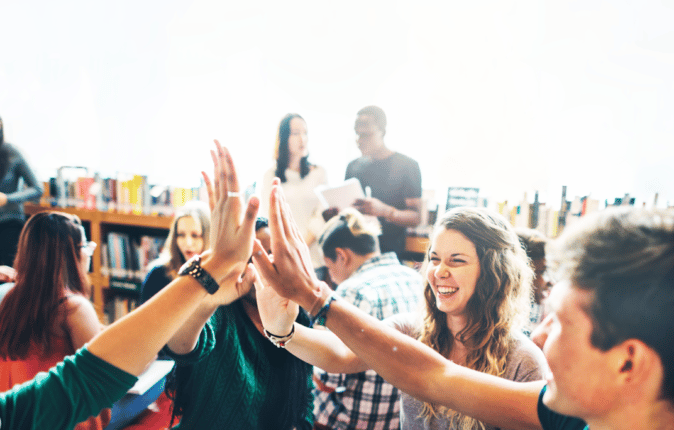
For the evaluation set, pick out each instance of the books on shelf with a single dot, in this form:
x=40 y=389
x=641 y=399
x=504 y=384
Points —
x=127 y=193
x=126 y=259
x=119 y=306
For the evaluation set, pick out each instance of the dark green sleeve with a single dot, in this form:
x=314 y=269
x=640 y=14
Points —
x=205 y=345
x=77 y=388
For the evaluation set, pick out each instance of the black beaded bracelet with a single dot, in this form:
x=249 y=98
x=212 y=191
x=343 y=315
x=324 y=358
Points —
x=319 y=318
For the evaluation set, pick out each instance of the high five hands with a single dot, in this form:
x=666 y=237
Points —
x=290 y=272
x=232 y=230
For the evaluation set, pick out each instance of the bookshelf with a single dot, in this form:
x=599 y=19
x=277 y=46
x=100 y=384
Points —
x=98 y=225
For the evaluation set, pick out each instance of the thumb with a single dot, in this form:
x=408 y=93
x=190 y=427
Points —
x=257 y=281
x=248 y=226
x=265 y=269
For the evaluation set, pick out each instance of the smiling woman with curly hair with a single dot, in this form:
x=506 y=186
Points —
x=477 y=293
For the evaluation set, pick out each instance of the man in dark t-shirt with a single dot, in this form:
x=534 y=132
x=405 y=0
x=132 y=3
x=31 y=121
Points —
x=394 y=181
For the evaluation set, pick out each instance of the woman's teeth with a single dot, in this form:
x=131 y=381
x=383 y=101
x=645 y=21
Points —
x=447 y=290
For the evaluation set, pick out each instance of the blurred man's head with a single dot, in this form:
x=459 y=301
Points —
x=370 y=130
x=610 y=337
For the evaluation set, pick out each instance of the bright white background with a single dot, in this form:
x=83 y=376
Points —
x=510 y=96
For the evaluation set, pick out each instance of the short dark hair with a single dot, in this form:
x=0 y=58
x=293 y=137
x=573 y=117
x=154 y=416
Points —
x=625 y=258
x=377 y=114
x=348 y=230
x=533 y=242
x=261 y=222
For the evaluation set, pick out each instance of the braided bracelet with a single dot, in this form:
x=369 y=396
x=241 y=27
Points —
x=279 y=341
x=319 y=318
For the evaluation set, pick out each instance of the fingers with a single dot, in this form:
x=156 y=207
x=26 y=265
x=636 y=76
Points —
x=248 y=226
x=276 y=229
x=285 y=215
x=231 y=179
x=209 y=189
x=265 y=269
x=216 y=176
x=221 y=173
x=257 y=281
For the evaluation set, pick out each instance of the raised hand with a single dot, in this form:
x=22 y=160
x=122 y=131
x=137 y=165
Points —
x=277 y=313
x=290 y=273
x=232 y=231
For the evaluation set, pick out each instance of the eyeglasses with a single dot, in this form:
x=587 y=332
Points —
x=88 y=248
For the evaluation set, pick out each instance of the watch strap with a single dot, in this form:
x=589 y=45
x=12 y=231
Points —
x=194 y=269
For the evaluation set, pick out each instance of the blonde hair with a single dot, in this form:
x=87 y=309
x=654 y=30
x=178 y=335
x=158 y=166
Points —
x=497 y=308
x=171 y=257
x=351 y=230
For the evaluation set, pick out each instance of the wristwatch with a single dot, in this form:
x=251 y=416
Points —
x=193 y=268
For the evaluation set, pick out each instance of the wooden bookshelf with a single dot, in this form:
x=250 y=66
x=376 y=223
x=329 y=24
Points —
x=98 y=224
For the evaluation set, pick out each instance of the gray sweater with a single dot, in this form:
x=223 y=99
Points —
x=525 y=362
x=18 y=183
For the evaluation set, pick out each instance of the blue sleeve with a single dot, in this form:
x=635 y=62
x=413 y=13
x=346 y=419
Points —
x=154 y=282
x=69 y=393
x=553 y=421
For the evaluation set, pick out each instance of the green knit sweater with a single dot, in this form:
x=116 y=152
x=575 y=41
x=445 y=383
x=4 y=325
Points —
x=233 y=376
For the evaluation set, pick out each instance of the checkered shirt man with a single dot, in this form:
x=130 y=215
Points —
x=381 y=287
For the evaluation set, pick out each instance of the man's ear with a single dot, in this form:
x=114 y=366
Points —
x=342 y=256
x=638 y=366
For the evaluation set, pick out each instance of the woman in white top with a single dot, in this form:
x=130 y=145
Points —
x=298 y=178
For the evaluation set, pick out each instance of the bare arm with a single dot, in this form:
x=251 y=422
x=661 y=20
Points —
x=406 y=363
x=133 y=341
x=81 y=321
x=410 y=217
x=423 y=373
x=186 y=338
x=323 y=349
x=317 y=347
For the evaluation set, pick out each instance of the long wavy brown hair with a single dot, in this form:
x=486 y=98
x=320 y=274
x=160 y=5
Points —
x=498 y=307
x=47 y=266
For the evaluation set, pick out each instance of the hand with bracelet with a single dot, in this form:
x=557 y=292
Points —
x=277 y=313
x=290 y=272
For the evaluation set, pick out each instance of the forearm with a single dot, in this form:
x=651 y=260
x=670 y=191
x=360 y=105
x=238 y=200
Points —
x=423 y=373
x=323 y=349
x=403 y=217
x=32 y=188
x=134 y=340
x=186 y=338
x=28 y=193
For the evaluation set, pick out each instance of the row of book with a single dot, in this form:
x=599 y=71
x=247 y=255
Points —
x=126 y=259
x=118 y=306
x=550 y=219
x=131 y=194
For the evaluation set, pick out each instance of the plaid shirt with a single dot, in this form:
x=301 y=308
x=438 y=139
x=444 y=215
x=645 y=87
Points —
x=381 y=287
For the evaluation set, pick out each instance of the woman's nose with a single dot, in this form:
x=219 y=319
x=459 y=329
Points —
x=442 y=271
